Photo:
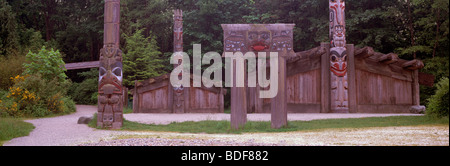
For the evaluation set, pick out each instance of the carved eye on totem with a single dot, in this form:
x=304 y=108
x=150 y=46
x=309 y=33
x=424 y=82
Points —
x=110 y=119
x=252 y=36
x=117 y=72
x=334 y=58
x=102 y=73
x=265 y=36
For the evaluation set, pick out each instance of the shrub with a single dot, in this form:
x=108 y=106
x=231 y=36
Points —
x=438 y=104
x=33 y=96
x=69 y=105
x=10 y=67
x=86 y=92
x=49 y=64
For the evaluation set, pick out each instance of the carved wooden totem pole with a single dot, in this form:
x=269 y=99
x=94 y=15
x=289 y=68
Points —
x=110 y=104
x=178 y=92
x=338 y=59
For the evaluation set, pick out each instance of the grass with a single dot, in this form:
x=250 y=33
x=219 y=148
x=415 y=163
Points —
x=214 y=127
x=12 y=127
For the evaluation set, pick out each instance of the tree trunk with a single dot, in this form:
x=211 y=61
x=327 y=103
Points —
x=411 y=27
x=438 y=24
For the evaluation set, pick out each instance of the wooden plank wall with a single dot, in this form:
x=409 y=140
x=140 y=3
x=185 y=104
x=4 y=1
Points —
x=378 y=89
x=303 y=88
x=155 y=100
x=203 y=99
x=156 y=97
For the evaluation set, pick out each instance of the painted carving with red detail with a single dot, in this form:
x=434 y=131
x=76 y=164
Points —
x=338 y=57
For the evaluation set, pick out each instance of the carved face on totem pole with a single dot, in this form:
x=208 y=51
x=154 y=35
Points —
x=338 y=56
x=338 y=59
x=337 y=23
x=259 y=39
x=339 y=85
x=235 y=41
x=110 y=88
x=282 y=39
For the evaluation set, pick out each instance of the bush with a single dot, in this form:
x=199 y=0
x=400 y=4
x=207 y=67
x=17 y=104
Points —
x=86 y=92
x=438 y=104
x=10 y=67
x=33 y=96
x=49 y=64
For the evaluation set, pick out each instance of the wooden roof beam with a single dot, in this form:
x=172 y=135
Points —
x=413 y=64
x=388 y=58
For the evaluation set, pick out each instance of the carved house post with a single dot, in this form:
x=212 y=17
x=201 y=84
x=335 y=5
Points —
x=338 y=58
x=178 y=104
x=110 y=103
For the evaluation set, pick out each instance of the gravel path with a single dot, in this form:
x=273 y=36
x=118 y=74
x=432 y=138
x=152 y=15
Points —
x=169 y=118
x=64 y=131
x=61 y=131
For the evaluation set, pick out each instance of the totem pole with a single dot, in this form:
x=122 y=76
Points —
x=178 y=95
x=110 y=104
x=338 y=57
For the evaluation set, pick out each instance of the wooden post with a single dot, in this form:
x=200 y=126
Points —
x=238 y=103
x=125 y=96
x=351 y=79
x=325 y=79
x=416 y=88
x=221 y=103
x=135 y=97
x=279 y=103
x=110 y=103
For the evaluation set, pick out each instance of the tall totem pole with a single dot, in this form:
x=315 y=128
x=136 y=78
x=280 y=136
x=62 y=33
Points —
x=110 y=104
x=178 y=95
x=338 y=59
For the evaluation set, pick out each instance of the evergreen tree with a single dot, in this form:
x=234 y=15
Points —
x=141 y=58
x=8 y=25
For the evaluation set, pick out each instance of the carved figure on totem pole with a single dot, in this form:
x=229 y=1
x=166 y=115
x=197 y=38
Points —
x=110 y=103
x=338 y=57
x=178 y=97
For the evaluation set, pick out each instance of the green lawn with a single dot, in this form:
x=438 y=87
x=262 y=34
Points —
x=11 y=128
x=224 y=126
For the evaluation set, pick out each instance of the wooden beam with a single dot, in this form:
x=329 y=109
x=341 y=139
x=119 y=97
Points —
x=278 y=106
x=325 y=79
x=364 y=52
x=413 y=64
x=351 y=79
x=388 y=58
x=82 y=65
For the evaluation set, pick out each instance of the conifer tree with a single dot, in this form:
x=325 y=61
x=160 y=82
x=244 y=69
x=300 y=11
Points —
x=141 y=58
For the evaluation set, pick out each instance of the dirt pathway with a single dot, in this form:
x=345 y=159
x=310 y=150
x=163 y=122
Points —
x=64 y=131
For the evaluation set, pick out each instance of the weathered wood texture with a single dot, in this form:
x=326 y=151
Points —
x=82 y=65
x=378 y=83
x=279 y=102
x=304 y=88
x=378 y=89
x=385 y=83
x=155 y=96
x=351 y=80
